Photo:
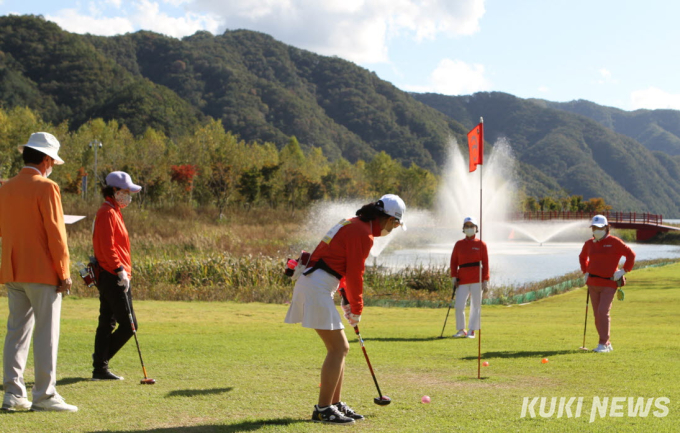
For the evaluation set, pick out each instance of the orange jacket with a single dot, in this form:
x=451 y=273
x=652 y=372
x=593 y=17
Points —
x=34 y=247
x=346 y=254
x=110 y=239
x=601 y=258
x=469 y=251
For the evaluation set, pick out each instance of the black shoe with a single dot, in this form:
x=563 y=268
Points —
x=105 y=375
x=348 y=411
x=330 y=415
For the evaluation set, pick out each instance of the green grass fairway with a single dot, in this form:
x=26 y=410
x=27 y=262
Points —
x=226 y=367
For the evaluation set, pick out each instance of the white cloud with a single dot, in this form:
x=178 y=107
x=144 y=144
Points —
x=357 y=30
x=455 y=77
x=606 y=74
x=72 y=21
x=653 y=98
x=543 y=89
x=143 y=14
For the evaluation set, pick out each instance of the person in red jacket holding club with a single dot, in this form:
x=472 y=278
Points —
x=340 y=254
x=467 y=256
x=112 y=250
x=599 y=261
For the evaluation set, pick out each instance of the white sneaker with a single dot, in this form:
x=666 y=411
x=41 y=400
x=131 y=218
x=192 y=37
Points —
x=11 y=402
x=601 y=348
x=460 y=334
x=609 y=346
x=55 y=403
x=471 y=334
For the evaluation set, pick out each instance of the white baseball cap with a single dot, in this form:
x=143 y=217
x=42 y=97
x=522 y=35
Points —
x=471 y=220
x=122 y=180
x=394 y=206
x=45 y=143
x=599 y=221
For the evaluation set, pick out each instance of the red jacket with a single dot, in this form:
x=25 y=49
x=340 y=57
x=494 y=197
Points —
x=602 y=258
x=346 y=254
x=469 y=251
x=110 y=239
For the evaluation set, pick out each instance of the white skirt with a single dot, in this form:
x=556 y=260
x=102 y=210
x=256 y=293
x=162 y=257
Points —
x=312 y=303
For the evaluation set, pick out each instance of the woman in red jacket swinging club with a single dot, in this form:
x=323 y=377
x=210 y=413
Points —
x=599 y=261
x=341 y=253
x=468 y=254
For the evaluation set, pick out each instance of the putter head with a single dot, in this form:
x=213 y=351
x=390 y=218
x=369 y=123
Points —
x=584 y=349
x=147 y=381
x=382 y=401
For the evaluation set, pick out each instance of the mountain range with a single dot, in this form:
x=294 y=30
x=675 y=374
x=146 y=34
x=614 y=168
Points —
x=264 y=90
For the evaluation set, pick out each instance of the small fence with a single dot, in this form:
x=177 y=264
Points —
x=612 y=217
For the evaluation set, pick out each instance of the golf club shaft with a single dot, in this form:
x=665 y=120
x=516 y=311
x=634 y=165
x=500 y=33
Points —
x=134 y=333
x=585 y=324
x=361 y=341
x=453 y=295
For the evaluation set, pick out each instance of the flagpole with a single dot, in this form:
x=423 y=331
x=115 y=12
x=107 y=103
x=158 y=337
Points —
x=479 y=341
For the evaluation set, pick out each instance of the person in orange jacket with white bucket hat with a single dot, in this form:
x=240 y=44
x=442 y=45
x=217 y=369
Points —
x=341 y=254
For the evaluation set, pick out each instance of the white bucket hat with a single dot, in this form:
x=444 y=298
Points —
x=45 y=143
x=599 y=221
x=394 y=206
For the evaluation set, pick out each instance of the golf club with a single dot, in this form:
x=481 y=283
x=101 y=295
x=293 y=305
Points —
x=146 y=380
x=453 y=295
x=585 y=324
x=383 y=400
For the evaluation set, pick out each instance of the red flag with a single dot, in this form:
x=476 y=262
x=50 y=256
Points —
x=476 y=145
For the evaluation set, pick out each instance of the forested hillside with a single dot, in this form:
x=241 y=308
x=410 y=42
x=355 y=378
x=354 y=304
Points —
x=263 y=91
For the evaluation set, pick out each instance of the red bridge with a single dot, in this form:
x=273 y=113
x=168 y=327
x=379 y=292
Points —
x=646 y=225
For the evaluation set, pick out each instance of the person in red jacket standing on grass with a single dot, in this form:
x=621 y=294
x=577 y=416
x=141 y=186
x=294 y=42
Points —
x=112 y=251
x=467 y=256
x=341 y=254
x=599 y=261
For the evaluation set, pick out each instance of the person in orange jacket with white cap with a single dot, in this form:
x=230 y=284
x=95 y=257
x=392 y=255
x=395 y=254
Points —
x=35 y=270
x=340 y=254
x=468 y=255
x=599 y=261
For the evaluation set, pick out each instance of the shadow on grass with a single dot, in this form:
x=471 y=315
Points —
x=195 y=392
x=244 y=426
x=397 y=339
x=524 y=354
x=72 y=380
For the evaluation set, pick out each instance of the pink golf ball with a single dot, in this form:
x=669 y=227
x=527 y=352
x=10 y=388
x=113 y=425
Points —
x=425 y=399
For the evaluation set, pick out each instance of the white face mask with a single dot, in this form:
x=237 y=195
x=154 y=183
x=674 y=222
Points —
x=123 y=199
x=48 y=172
x=599 y=234
x=469 y=231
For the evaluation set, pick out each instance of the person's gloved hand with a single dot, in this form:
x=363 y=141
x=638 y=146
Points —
x=454 y=281
x=346 y=308
x=124 y=280
x=353 y=319
x=485 y=286
x=618 y=274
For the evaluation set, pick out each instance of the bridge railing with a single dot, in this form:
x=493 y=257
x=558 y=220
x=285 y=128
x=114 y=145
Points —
x=612 y=217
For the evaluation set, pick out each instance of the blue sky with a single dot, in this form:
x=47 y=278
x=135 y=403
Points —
x=616 y=53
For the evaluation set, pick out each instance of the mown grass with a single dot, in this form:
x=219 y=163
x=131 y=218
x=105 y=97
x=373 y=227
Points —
x=234 y=367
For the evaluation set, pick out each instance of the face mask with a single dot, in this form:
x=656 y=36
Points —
x=599 y=234
x=123 y=199
x=48 y=172
x=469 y=231
x=384 y=232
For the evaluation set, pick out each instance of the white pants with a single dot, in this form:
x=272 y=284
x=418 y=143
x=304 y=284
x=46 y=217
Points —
x=312 y=303
x=33 y=308
x=474 y=291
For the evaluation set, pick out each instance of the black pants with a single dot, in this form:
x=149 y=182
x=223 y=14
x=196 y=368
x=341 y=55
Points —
x=113 y=309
